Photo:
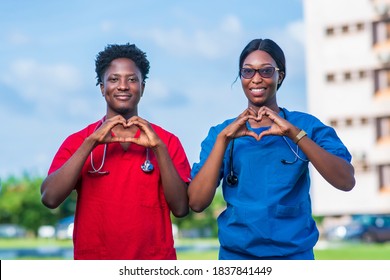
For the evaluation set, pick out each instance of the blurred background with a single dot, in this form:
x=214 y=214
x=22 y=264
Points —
x=338 y=69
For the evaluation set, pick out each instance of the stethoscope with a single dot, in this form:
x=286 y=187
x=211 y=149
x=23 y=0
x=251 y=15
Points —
x=232 y=179
x=146 y=167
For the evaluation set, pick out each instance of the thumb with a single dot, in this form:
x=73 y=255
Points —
x=264 y=133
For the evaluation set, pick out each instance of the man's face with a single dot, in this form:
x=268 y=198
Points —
x=122 y=88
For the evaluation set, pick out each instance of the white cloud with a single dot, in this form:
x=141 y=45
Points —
x=157 y=87
x=52 y=94
x=47 y=88
x=199 y=42
x=291 y=39
x=296 y=30
x=106 y=26
x=34 y=80
x=18 y=38
x=231 y=24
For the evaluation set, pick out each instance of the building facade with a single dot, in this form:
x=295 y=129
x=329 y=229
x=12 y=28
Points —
x=348 y=88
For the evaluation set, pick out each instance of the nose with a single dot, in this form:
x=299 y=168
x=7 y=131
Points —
x=257 y=78
x=123 y=84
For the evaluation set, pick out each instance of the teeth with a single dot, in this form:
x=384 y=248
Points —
x=257 y=89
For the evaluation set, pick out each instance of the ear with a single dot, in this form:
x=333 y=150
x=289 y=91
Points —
x=102 y=88
x=281 y=77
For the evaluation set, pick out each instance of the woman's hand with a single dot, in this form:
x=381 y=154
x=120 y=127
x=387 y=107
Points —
x=280 y=126
x=238 y=127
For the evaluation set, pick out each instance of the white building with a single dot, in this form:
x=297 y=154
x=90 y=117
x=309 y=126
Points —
x=348 y=74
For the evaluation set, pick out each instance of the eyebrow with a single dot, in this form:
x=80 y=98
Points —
x=262 y=65
x=126 y=75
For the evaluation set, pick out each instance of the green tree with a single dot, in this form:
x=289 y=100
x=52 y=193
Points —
x=20 y=203
x=205 y=222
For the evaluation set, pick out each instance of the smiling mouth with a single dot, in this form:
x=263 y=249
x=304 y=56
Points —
x=123 y=96
x=257 y=91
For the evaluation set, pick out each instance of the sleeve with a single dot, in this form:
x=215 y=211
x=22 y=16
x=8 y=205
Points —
x=179 y=159
x=66 y=150
x=206 y=147
x=327 y=138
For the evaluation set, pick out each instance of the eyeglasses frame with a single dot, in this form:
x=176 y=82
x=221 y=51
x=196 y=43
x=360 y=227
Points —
x=258 y=71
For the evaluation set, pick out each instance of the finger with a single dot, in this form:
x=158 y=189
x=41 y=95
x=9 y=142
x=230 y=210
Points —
x=146 y=129
x=111 y=123
x=264 y=111
x=264 y=133
x=270 y=114
x=252 y=111
x=116 y=119
x=137 y=141
x=141 y=124
x=273 y=130
x=137 y=119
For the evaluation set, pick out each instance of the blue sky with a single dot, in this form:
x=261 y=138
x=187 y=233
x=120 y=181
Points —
x=47 y=78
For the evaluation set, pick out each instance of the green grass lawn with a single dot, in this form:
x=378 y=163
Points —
x=33 y=243
x=346 y=251
x=335 y=251
x=354 y=251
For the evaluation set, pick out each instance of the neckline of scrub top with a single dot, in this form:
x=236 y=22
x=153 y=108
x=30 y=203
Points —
x=258 y=130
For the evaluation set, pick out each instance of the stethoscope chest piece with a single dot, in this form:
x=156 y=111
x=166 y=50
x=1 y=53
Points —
x=231 y=180
x=147 y=166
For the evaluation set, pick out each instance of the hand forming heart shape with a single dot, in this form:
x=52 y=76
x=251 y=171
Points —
x=125 y=130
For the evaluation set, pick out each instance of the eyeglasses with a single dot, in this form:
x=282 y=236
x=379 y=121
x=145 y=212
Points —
x=265 y=72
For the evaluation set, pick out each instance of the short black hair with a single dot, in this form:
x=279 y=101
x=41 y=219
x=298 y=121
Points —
x=269 y=47
x=114 y=51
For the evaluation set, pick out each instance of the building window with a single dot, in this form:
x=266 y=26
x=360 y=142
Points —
x=383 y=128
x=330 y=77
x=329 y=31
x=381 y=31
x=382 y=79
x=384 y=177
x=345 y=28
x=387 y=30
x=359 y=26
x=347 y=76
x=362 y=74
x=363 y=121
x=333 y=123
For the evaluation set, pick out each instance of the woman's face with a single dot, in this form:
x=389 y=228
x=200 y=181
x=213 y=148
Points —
x=260 y=91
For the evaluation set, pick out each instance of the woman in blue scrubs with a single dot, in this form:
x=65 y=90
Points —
x=262 y=157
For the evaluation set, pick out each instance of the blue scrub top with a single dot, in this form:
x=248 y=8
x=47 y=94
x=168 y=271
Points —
x=268 y=212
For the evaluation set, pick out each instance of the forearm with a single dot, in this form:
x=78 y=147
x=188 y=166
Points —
x=59 y=184
x=175 y=189
x=335 y=170
x=202 y=188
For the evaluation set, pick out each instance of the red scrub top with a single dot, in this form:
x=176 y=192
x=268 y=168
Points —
x=122 y=214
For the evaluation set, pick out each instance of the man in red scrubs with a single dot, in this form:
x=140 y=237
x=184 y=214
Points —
x=129 y=174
